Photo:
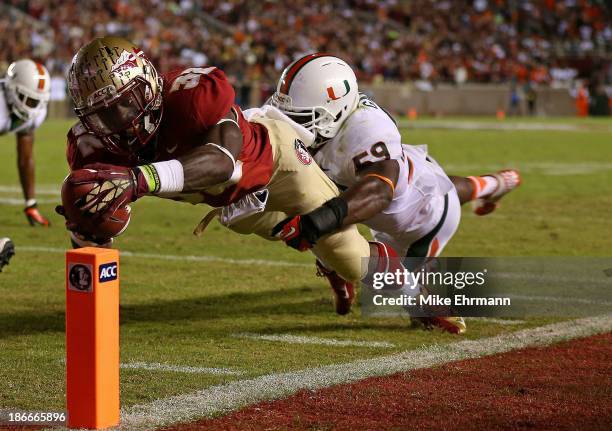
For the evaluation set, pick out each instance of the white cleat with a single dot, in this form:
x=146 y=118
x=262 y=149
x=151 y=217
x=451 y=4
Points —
x=507 y=180
x=7 y=250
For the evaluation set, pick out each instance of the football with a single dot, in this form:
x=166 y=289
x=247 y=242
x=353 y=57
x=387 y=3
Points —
x=90 y=224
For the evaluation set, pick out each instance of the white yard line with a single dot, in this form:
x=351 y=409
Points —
x=551 y=278
x=204 y=258
x=189 y=258
x=20 y=201
x=233 y=395
x=496 y=320
x=560 y=299
x=154 y=366
x=543 y=168
x=41 y=189
x=300 y=339
x=509 y=126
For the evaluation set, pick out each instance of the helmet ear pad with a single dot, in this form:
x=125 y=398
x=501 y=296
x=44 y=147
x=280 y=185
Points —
x=321 y=87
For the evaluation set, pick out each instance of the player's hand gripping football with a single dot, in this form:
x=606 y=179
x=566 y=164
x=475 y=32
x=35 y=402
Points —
x=95 y=200
x=111 y=187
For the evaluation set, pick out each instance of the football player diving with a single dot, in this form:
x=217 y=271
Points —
x=24 y=94
x=399 y=191
x=181 y=136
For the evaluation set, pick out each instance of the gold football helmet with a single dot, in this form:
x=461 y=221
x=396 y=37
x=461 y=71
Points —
x=117 y=93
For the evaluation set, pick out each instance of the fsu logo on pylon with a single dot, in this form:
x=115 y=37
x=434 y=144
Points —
x=79 y=277
x=302 y=153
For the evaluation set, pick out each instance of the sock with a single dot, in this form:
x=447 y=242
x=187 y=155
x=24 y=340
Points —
x=390 y=262
x=483 y=186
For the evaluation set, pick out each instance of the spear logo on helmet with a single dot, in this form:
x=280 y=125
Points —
x=126 y=60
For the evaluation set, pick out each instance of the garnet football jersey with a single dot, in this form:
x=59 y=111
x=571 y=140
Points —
x=194 y=100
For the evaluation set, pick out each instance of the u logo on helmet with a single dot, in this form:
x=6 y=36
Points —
x=332 y=94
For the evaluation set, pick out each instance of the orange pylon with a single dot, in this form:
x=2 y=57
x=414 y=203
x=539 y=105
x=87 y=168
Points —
x=92 y=337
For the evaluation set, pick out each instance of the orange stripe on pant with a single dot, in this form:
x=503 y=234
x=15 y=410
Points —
x=92 y=337
x=410 y=169
x=433 y=249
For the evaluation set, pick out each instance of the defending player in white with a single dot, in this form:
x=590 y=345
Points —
x=24 y=94
x=408 y=200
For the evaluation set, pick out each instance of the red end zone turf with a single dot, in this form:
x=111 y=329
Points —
x=567 y=386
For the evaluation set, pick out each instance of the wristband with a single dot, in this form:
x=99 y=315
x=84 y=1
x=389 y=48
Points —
x=150 y=176
x=328 y=217
x=164 y=177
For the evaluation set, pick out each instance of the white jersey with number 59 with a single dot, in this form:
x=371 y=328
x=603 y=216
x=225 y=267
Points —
x=370 y=135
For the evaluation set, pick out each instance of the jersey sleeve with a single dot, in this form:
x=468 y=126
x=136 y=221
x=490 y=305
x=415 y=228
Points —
x=73 y=155
x=203 y=95
x=84 y=148
x=369 y=138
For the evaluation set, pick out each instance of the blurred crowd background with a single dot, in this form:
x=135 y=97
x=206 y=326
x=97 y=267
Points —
x=522 y=42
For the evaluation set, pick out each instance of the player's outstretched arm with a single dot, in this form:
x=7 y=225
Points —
x=366 y=198
x=210 y=164
x=214 y=162
x=110 y=187
x=25 y=165
x=372 y=193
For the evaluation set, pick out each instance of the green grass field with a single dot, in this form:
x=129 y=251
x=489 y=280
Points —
x=187 y=311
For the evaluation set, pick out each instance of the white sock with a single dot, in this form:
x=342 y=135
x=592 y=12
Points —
x=483 y=186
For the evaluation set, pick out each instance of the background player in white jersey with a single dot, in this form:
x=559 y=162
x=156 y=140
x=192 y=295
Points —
x=24 y=94
x=399 y=191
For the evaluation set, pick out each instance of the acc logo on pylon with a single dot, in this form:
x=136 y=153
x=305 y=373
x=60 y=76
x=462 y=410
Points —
x=108 y=272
